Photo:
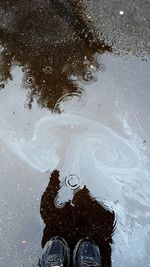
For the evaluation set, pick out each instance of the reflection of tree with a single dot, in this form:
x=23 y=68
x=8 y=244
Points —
x=84 y=216
x=45 y=40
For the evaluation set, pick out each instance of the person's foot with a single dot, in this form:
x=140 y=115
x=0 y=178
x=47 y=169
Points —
x=86 y=253
x=56 y=253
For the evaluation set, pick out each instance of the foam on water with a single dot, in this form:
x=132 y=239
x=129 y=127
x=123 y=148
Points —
x=90 y=150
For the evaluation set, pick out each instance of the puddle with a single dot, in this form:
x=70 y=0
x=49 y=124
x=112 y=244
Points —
x=74 y=139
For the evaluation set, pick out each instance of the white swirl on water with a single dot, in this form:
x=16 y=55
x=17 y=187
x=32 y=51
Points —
x=74 y=144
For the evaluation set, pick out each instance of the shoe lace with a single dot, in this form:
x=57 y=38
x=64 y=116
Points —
x=55 y=262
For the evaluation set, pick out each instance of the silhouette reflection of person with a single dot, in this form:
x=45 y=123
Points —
x=81 y=217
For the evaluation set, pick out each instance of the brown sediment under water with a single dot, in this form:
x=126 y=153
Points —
x=74 y=137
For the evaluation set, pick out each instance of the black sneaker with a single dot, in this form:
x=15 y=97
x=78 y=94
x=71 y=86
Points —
x=56 y=253
x=86 y=253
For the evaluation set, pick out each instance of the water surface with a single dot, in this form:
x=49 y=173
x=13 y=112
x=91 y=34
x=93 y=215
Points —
x=74 y=139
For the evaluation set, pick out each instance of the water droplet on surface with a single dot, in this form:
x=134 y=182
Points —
x=30 y=80
x=47 y=69
x=72 y=181
x=58 y=203
x=88 y=76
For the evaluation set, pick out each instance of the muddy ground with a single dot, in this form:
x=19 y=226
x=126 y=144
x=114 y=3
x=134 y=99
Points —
x=75 y=128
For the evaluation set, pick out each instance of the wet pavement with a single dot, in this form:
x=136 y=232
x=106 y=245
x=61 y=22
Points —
x=74 y=129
